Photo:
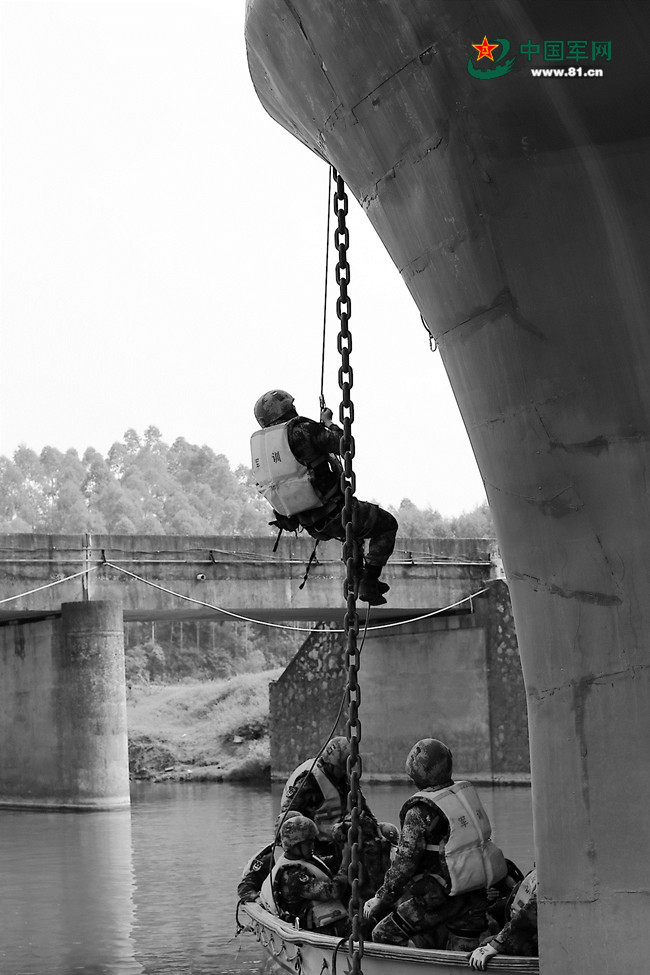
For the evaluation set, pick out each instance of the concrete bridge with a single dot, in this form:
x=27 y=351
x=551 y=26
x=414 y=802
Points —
x=178 y=577
x=436 y=659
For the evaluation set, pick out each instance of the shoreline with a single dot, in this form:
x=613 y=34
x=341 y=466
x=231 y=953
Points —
x=200 y=731
x=218 y=731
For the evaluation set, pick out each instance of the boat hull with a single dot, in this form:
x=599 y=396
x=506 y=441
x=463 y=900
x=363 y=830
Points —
x=309 y=953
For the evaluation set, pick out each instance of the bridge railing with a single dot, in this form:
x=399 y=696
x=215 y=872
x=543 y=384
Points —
x=162 y=576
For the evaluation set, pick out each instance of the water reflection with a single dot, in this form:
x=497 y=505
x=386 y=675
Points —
x=151 y=891
x=66 y=894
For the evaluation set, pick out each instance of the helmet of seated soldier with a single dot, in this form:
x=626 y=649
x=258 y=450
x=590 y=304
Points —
x=282 y=819
x=335 y=757
x=297 y=830
x=429 y=763
x=273 y=407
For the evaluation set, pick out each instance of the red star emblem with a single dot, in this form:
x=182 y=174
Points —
x=485 y=49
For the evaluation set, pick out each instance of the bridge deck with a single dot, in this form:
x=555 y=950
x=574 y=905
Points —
x=177 y=577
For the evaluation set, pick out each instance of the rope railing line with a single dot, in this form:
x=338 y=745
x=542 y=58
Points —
x=226 y=612
x=415 y=563
x=201 y=602
x=252 y=560
x=435 y=612
x=285 y=626
x=48 y=585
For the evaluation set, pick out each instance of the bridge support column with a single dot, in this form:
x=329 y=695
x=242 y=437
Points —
x=457 y=678
x=63 y=730
x=425 y=680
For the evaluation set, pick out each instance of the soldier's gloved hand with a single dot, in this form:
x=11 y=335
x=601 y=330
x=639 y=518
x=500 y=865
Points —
x=326 y=416
x=479 y=956
x=370 y=907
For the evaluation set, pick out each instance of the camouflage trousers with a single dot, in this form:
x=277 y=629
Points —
x=428 y=917
x=372 y=523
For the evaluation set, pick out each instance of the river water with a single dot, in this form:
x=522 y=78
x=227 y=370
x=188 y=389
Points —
x=151 y=890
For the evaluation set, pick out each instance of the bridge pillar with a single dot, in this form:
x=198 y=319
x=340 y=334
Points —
x=455 y=677
x=425 y=680
x=63 y=730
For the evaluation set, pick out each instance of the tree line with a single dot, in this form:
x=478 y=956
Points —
x=169 y=652
x=145 y=486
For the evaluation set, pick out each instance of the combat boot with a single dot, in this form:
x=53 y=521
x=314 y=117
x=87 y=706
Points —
x=371 y=590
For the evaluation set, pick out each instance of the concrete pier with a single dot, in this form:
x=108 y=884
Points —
x=63 y=723
x=456 y=677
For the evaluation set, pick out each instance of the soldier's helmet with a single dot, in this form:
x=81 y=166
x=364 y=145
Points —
x=429 y=763
x=297 y=830
x=282 y=819
x=389 y=832
x=272 y=406
x=335 y=756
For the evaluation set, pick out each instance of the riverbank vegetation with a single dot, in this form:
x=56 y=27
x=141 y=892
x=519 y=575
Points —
x=200 y=731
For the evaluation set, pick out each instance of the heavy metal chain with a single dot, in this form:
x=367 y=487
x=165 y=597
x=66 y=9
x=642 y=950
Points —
x=351 y=558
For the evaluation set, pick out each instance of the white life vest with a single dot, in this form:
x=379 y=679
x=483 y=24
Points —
x=331 y=809
x=472 y=859
x=321 y=912
x=285 y=482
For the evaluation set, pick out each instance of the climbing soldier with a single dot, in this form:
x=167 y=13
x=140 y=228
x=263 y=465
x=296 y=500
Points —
x=297 y=468
x=434 y=894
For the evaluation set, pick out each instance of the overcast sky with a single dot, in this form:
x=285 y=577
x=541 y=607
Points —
x=163 y=255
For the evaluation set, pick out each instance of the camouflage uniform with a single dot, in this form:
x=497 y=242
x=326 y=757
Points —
x=306 y=438
x=296 y=887
x=255 y=873
x=414 y=898
x=305 y=795
x=519 y=934
x=374 y=851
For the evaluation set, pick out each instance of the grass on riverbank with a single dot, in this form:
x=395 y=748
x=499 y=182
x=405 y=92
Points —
x=201 y=731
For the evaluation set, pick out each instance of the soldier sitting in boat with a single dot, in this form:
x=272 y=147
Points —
x=296 y=468
x=301 y=887
x=259 y=866
x=500 y=895
x=377 y=844
x=434 y=894
x=319 y=790
x=519 y=935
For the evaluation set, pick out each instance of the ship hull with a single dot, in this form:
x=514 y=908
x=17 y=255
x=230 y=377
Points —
x=517 y=211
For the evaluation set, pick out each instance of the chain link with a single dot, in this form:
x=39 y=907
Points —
x=351 y=558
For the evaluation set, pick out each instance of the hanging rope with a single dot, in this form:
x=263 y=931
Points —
x=350 y=557
x=433 y=343
x=48 y=585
